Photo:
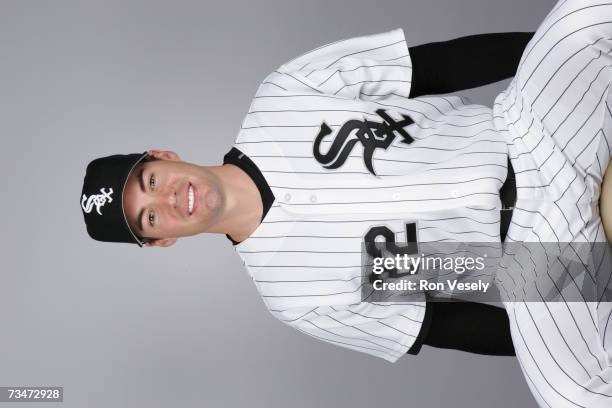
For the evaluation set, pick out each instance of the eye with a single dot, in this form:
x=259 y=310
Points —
x=151 y=217
x=152 y=182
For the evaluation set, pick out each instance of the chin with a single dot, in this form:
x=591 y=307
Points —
x=214 y=200
x=213 y=205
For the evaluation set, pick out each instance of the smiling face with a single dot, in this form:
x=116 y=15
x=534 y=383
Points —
x=167 y=198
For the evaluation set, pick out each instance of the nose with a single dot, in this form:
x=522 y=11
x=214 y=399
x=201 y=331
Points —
x=172 y=199
x=162 y=200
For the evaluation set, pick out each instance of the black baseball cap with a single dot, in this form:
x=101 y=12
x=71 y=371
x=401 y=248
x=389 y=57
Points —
x=102 y=198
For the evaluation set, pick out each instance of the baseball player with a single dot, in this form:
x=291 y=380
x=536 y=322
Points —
x=340 y=147
x=298 y=214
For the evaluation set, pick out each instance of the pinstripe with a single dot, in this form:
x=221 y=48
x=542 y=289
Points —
x=551 y=115
x=305 y=257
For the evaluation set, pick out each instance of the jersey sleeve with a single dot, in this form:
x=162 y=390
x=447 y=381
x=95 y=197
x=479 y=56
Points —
x=368 y=67
x=385 y=330
x=381 y=65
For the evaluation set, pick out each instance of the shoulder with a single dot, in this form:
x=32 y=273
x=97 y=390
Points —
x=376 y=46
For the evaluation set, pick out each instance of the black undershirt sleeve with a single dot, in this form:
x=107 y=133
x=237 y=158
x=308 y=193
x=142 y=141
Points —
x=467 y=326
x=466 y=62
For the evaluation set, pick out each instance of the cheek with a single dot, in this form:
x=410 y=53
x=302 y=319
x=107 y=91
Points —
x=166 y=183
x=170 y=223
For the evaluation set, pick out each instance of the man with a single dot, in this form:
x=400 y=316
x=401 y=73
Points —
x=340 y=148
x=153 y=198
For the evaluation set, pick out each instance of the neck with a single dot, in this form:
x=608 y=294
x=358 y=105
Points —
x=243 y=207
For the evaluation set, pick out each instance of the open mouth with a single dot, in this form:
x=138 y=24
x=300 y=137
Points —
x=190 y=199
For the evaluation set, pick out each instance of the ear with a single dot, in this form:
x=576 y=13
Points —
x=165 y=242
x=164 y=155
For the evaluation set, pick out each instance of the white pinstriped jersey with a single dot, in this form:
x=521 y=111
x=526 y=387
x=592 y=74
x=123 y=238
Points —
x=557 y=119
x=305 y=257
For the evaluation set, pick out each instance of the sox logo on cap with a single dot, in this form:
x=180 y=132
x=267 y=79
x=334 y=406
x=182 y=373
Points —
x=96 y=199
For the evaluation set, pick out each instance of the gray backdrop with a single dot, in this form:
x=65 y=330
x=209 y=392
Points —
x=119 y=326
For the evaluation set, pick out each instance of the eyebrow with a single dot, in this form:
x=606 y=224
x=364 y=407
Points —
x=141 y=180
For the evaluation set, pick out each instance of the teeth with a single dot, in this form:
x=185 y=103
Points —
x=191 y=199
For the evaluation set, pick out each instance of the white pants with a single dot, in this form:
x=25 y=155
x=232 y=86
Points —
x=557 y=119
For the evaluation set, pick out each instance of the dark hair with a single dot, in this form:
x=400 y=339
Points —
x=148 y=158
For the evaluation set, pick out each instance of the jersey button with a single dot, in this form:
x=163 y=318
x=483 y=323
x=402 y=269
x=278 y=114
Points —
x=396 y=196
x=313 y=198
x=287 y=197
x=455 y=193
